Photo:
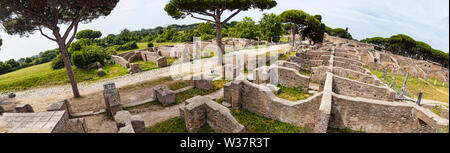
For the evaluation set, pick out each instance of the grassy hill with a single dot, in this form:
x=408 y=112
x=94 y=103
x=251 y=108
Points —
x=43 y=75
x=416 y=85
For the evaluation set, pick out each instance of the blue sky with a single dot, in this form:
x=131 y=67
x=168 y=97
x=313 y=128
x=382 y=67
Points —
x=424 y=20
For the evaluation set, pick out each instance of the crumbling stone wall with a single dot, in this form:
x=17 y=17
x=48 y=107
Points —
x=380 y=117
x=120 y=60
x=160 y=61
x=350 y=66
x=291 y=78
x=346 y=55
x=353 y=88
x=318 y=74
x=200 y=110
x=260 y=100
x=361 y=77
x=282 y=75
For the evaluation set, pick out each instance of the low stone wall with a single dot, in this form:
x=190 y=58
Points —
x=361 y=77
x=346 y=55
x=349 y=66
x=353 y=88
x=291 y=78
x=284 y=76
x=348 y=61
x=160 y=61
x=200 y=110
x=260 y=100
x=120 y=60
x=318 y=74
x=316 y=55
x=374 y=116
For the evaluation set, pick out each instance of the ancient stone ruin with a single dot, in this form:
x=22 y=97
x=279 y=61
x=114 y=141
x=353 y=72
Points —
x=112 y=99
x=201 y=110
x=350 y=97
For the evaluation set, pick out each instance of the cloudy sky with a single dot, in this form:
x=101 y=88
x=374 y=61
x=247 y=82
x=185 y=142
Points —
x=424 y=20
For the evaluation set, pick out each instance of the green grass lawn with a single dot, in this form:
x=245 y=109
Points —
x=252 y=122
x=147 y=66
x=292 y=94
x=175 y=125
x=43 y=75
x=257 y=124
x=416 y=85
x=179 y=84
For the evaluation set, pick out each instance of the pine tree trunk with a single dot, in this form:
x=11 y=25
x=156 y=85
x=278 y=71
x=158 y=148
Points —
x=219 y=44
x=293 y=39
x=68 y=65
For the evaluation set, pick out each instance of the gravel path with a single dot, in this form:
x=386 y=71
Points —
x=41 y=98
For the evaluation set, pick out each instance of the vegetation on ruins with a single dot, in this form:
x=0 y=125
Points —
x=292 y=94
x=28 y=16
x=302 y=23
x=406 y=46
x=180 y=9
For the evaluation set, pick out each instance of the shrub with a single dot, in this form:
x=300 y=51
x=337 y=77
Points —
x=78 y=59
x=78 y=45
x=88 y=55
x=57 y=62
x=128 y=46
x=150 y=44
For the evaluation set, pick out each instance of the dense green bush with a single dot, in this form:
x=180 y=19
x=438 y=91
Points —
x=57 y=62
x=128 y=46
x=78 y=45
x=88 y=55
x=150 y=44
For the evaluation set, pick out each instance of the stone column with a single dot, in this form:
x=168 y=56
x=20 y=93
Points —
x=419 y=98
x=392 y=81
x=404 y=84
x=112 y=98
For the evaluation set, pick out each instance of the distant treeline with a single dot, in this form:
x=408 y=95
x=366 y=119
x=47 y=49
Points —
x=406 y=46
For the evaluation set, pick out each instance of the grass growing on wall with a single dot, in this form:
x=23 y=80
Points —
x=43 y=75
x=286 y=56
x=292 y=94
x=257 y=124
x=415 y=85
x=305 y=73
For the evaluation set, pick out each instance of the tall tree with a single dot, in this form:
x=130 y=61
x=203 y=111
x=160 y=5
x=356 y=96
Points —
x=270 y=28
x=299 y=21
x=179 y=9
x=25 y=17
x=246 y=28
